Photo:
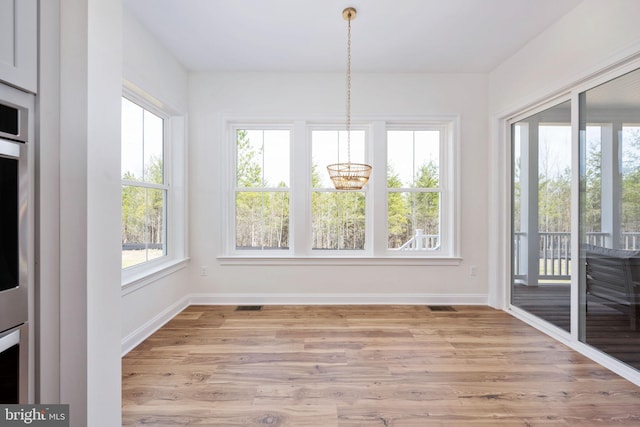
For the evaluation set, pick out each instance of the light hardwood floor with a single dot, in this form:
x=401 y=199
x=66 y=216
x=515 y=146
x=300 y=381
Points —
x=346 y=366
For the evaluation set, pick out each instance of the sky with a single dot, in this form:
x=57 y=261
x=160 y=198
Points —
x=554 y=149
x=142 y=138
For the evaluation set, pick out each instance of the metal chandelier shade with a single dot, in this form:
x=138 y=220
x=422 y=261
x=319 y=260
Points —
x=349 y=176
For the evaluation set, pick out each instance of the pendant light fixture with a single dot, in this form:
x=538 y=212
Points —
x=349 y=176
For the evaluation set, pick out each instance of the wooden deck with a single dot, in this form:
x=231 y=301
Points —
x=348 y=366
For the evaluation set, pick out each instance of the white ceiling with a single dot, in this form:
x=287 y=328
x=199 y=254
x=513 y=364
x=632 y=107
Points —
x=458 y=36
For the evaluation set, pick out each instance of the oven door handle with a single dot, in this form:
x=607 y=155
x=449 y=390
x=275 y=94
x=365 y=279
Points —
x=9 y=340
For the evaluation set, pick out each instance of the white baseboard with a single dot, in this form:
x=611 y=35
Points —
x=338 y=299
x=143 y=332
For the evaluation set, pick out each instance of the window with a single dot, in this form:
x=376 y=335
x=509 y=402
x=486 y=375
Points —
x=153 y=189
x=144 y=191
x=413 y=189
x=262 y=189
x=406 y=210
x=338 y=217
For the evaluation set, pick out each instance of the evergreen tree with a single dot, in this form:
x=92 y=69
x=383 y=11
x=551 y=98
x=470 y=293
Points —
x=426 y=205
x=398 y=212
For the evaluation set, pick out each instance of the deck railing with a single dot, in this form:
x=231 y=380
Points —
x=421 y=242
x=631 y=241
x=555 y=255
x=555 y=251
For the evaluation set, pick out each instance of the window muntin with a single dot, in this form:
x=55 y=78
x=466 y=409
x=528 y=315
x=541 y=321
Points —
x=414 y=189
x=338 y=217
x=144 y=190
x=262 y=194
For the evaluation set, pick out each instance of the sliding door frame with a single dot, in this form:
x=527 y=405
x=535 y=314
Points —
x=502 y=181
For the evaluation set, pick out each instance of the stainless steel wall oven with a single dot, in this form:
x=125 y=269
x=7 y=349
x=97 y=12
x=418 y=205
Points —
x=16 y=113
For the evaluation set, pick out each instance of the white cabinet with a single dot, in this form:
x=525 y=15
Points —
x=19 y=43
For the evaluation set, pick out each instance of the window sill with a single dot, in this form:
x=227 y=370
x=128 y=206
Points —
x=368 y=261
x=152 y=274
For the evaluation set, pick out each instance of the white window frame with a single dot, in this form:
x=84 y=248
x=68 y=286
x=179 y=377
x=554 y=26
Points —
x=367 y=251
x=376 y=251
x=448 y=178
x=175 y=212
x=230 y=230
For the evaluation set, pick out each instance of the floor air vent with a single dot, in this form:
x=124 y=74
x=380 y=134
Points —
x=441 y=308
x=249 y=308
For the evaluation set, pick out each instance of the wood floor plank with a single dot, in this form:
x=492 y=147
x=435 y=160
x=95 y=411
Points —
x=230 y=414
x=348 y=366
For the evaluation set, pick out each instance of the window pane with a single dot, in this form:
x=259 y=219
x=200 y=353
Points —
x=610 y=218
x=249 y=158
x=143 y=226
x=156 y=244
x=541 y=214
x=413 y=159
x=413 y=220
x=400 y=159
x=427 y=154
x=399 y=220
x=554 y=175
x=153 y=148
x=276 y=158
x=262 y=220
x=133 y=225
x=262 y=158
x=329 y=147
x=338 y=220
x=142 y=144
x=132 y=141
x=630 y=221
x=593 y=188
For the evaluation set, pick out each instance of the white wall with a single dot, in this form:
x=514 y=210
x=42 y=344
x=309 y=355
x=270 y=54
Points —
x=150 y=68
x=80 y=322
x=89 y=252
x=592 y=37
x=213 y=95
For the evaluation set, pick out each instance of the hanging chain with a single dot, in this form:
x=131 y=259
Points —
x=349 y=91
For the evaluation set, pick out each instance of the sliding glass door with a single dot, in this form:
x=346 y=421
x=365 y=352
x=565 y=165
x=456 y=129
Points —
x=541 y=214
x=584 y=279
x=610 y=217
